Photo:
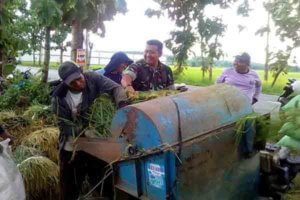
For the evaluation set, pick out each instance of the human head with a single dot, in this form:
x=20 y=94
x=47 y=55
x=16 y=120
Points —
x=242 y=63
x=71 y=75
x=118 y=63
x=152 y=52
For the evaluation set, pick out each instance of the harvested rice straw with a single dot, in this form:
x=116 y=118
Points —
x=10 y=120
x=22 y=152
x=44 y=140
x=145 y=96
x=41 y=178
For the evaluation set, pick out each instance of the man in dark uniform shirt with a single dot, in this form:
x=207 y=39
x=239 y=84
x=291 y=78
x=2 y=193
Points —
x=148 y=73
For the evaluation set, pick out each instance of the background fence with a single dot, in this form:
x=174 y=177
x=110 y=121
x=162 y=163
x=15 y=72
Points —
x=97 y=57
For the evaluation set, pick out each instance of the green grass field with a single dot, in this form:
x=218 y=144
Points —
x=193 y=76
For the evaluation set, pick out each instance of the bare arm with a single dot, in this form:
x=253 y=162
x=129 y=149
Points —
x=126 y=83
x=126 y=80
x=258 y=88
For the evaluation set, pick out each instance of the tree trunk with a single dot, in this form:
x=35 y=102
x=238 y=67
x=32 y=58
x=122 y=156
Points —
x=90 y=54
x=1 y=63
x=77 y=38
x=87 y=38
x=61 y=58
x=203 y=68
x=47 y=56
x=1 y=50
x=40 y=55
x=210 y=72
x=276 y=77
x=267 y=51
x=33 y=55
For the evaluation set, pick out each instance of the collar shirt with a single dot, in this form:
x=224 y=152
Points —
x=147 y=78
x=249 y=83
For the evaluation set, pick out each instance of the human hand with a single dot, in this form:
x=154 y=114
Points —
x=6 y=135
x=254 y=100
x=182 y=88
x=131 y=93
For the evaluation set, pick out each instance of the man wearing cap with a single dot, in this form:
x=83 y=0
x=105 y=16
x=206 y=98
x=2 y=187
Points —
x=71 y=101
x=243 y=78
x=148 y=73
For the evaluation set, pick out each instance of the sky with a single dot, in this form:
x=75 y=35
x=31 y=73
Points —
x=129 y=32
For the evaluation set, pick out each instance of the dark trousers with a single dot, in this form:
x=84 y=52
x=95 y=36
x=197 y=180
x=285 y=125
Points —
x=73 y=173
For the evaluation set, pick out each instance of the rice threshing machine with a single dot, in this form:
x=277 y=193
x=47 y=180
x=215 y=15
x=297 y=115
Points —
x=181 y=147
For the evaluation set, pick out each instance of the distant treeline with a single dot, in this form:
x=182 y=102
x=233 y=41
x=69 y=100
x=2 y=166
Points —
x=196 y=62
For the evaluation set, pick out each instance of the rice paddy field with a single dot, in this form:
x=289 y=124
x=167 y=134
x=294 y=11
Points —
x=193 y=76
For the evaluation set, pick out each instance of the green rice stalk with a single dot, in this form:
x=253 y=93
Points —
x=39 y=113
x=264 y=129
x=41 y=178
x=145 y=96
x=44 y=140
x=101 y=115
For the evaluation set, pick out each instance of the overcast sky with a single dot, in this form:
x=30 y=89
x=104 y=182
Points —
x=130 y=31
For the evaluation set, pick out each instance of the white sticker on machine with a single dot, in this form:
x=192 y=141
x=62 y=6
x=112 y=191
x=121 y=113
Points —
x=156 y=175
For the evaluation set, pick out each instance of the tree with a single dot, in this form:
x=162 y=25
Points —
x=280 y=64
x=286 y=17
x=88 y=51
x=261 y=32
x=59 y=38
x=209 y=32
x=49 y=15
x=32 y=30
x=12 y=35
x=186 y=14
x=88 y=14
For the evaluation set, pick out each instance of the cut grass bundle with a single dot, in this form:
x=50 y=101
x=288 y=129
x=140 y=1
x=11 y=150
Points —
x=38 y=112
x=22 y=152
x=265 y=130
x=101 y=115
x=145 y=96
x=44 y=140
x=41 y=178
x=103 y=110
x=10 y=120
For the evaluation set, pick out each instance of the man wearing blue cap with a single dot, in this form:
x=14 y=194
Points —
x=117 y=64
x=71 y=101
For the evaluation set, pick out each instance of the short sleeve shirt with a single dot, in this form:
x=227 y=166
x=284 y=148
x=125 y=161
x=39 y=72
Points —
x=147 y=78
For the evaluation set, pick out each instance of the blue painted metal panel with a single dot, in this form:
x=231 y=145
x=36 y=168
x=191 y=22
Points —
x=129 y=177
x=212 y=169
x=148 y=137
